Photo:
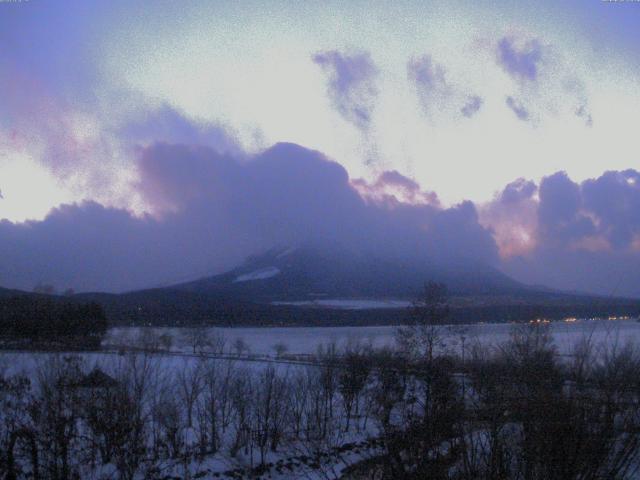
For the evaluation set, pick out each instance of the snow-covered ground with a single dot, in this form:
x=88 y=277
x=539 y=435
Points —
x=306 y=340
x=294 y=458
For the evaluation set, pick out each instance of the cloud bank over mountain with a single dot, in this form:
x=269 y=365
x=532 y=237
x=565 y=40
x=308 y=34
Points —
x=210 y=209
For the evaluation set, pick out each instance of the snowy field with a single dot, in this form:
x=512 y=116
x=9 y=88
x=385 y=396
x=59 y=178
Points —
x=301 y=341
x=306 y=340
x=175 y=380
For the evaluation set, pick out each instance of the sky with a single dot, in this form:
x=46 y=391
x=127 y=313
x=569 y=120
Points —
x=143 y=143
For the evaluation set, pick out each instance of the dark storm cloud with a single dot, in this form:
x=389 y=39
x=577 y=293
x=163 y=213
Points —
x=517 y=191
x=453 y=228
x=560 y=214
x=352 y=84
x=586 y=235
x=615 y=199
x=212 y=210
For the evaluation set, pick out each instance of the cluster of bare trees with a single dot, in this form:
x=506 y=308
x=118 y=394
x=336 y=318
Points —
x=150 y=415
x=516 y=411
x=520 y=411
x=194 y=340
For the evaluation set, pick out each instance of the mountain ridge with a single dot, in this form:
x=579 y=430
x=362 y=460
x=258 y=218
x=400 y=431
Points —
x=310 y=286
x=303 y=273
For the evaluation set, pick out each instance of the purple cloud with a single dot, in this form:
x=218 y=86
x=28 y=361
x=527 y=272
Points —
x=436 y=94
x=560 y=214
x=213 y=210
x=615 y=199
x=546 y=82
x=512 y=216
x=518 y=190
x=430 y=81
x=521 y=60
x=352 y=87
x=392 y=187
x=393 y=177
x=516 y=107
x=472 y=106
x=167 y=124
x=584 y=236
x=582 y=111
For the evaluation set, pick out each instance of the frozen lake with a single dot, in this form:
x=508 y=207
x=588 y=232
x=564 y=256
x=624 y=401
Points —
x=305 y=340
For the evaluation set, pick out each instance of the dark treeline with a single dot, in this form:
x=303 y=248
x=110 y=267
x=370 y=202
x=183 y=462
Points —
x=164 y=307
x=48 y=320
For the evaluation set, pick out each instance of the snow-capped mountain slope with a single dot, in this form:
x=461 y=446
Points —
x=311 y=286
x=307 y=273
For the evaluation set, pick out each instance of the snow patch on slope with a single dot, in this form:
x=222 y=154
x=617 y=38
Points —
x=260 y=274
x=348 y=304
x=286 y=252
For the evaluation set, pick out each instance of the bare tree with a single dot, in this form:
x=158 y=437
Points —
x=270 y=410
x=427 y=317
x=137 y=377
x=189 y=383
x=280 y=349
x=166 y=341
x=197 y=338
x=217 y=341
x=167 y=415
x=16 y=428
x=57 y=413
x=298 y=400
x=149 y=339
x=240 y=346
x=352 y=379
x=241 y=394
x=215 y=405
x=328 y=359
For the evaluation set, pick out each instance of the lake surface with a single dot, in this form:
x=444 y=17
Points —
x=304 y=340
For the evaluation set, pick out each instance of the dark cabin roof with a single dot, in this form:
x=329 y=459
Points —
x=96 y=379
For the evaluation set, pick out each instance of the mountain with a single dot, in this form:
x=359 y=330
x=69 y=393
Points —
x=333 y=286
x=307 y=273
x=7 y=293
x=310 y=286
